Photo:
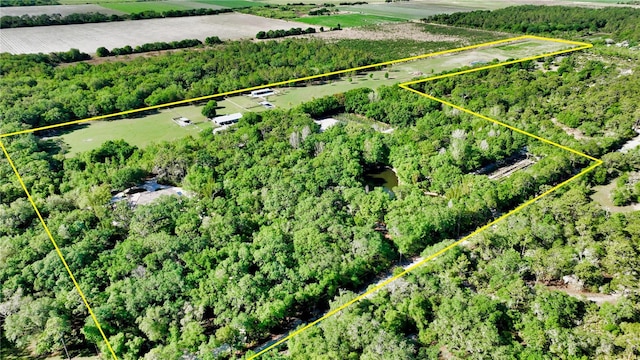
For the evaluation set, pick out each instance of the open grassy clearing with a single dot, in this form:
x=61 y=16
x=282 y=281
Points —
x=410 y=10
x=88 y=37
x=159 y=126
x=158 y=6
x=138 y=131
x=347 y=20
x=518 y=46
x=156 y=127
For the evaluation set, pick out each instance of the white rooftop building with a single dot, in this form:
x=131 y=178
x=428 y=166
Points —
x=227 y=119
x=262 y=93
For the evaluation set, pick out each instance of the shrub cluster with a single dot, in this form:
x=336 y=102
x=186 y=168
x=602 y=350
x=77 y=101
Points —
x=272 y=34
x=155 y=46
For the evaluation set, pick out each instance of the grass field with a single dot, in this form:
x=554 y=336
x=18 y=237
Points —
x=159 y=126
x=138 y=131
x=347 y=20
x=407 y=10
x=153 y=128
x=403 y=72
x=518 y=46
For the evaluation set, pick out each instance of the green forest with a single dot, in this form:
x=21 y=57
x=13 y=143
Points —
x=280 y=224
x=621 y=22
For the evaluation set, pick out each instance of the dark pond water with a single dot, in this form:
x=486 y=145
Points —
x=385 y=178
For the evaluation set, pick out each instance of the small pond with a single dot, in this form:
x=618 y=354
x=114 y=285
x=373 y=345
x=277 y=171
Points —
x=384 y=177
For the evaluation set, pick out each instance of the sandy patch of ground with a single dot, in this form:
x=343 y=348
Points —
x=401 y=31
x=576 y=133
x=57 y=9
x=595 y=297
x=631 y=144
x=88 y=37
x=602 y=196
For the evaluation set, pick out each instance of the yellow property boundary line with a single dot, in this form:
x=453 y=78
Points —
x=580 y=46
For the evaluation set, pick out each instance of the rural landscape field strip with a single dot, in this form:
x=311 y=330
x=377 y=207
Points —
x=580 y=46
x=88 y=37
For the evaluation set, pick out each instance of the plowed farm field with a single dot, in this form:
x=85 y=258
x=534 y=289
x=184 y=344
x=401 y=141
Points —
x=88 y=37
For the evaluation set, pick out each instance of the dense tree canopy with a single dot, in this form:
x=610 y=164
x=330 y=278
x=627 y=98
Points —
x=621 y=22
x=280 y=225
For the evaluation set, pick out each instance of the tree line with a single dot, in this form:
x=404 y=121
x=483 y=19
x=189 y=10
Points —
x=272 y=34
x=155 y=46
x=620 y=22
x=91 y=17
x=28 y=2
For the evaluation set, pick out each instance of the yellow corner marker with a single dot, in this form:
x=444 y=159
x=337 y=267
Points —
x=581 y=46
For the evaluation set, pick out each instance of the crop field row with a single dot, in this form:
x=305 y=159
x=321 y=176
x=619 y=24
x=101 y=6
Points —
x=88 y=37
x=409 y=10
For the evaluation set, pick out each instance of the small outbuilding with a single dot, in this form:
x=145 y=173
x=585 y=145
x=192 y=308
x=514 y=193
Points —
x=267 y=104
x=262 y=93
x=182 y=121
x=227 y=119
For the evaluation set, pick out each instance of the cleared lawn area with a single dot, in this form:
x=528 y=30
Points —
x=347 y=20
x=153 y=128
x=137 y=131
x=159 y=126
x=158 y=6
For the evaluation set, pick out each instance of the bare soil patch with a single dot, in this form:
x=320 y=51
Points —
x=576 y=133
x=402 y=31
x=597 y=298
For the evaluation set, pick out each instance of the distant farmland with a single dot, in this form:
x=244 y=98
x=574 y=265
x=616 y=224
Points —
x=348 y=20
x=88 y=37
x=57 y=9
x=158 y=6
